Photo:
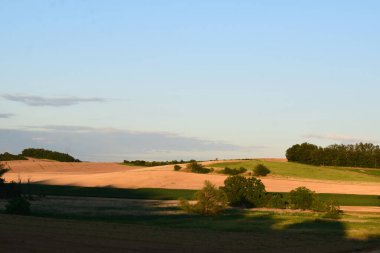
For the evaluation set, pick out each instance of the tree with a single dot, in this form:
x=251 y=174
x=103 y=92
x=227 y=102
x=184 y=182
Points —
x=241 y=191
x=48 y=154
x=301 y=198
x=261 y=170
x=198 y=168
x=210 y=201
x=358 y=155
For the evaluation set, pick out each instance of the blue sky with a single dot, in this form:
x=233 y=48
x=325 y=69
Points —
x=111 y=80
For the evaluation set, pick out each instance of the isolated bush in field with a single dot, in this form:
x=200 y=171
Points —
x=235 y=188
x=19 y=206
x=255 y=193
x=276 y=200
x=319 y=205
x=301 y=198
x=198 y=168
x=261 y=170
x=333 y=210
x=229 y=171
x=177 y=167
x=241 y=191
x=210 y=201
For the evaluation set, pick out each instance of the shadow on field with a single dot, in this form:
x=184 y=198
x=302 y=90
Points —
x=233 y=232
x=106 y=192
x=151 y=225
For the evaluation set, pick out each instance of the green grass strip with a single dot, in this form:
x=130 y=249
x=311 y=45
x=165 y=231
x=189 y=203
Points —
x=170 y=194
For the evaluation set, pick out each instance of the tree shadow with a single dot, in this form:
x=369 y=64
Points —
x=236 y=230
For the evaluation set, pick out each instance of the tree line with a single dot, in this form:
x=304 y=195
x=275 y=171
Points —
x=365 y=155
x=10 y=157
x=154 y=163
x=40 y=153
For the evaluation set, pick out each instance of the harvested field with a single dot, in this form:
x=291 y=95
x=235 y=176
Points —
x=121 y=176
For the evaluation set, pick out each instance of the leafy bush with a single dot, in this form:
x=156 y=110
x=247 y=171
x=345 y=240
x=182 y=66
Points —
x=229 y=171
x=19 y=206
x=318 y=205
x=177 y=167
x=333 y=210
x=276 y=200
x=261 y=170
x=198 y=168
x=10 y=157
x=241 y=191
x=47 y=154
x=210 y=201
x=301 y=198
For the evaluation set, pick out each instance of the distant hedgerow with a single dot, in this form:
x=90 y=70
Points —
x=10 y=157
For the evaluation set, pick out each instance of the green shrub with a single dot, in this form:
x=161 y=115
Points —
x=319 y=205
x=19 y=206
x=210 y=201
x=177 y=167
x=229 y=171
x=301 y=198
x=261 y=170
x=241 y=191
x=333 y=210
x=198 y=168
x=276 y=200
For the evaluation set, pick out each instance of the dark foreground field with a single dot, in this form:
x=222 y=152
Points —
x=34 y=234
x=80 y=219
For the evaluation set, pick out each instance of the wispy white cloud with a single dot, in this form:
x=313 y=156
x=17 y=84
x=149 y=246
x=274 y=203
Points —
x=338 y=137
x=88 y=143
x=6 y=115
x=51 y=101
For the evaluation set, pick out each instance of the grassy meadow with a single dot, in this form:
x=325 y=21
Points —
x=297 y=170
x=125 y=225
x=169 y=194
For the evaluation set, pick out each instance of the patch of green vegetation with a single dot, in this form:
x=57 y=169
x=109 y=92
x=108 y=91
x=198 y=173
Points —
x=297 y=170
x=40 y=153
x=154 y=163
x=229 y=171
x=10 y=157
x=198 y=168
x=171 y=194
x=238 y=220
x=243 y=231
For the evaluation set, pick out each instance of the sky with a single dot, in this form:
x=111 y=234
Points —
x=165 y=79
